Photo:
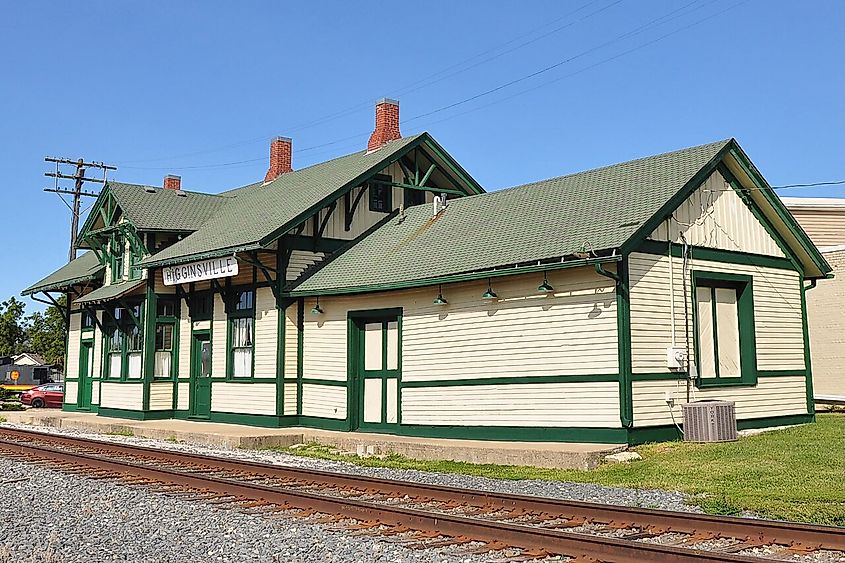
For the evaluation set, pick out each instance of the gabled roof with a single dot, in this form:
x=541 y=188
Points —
x=157 y=209
x=258 y=212
x=111 y=291
x=589 y=213
x=84 y=268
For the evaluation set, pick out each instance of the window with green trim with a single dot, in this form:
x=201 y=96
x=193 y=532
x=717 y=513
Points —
x=87 y=320
x=725 y=351
x=124 y=343
x=118 y=249
x=165 y=351
x=201 y=306
x=381 y=193
x=134 y=270
x=241 y=333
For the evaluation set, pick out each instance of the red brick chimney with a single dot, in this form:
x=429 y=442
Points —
x=387 y=124
x=172 y=182
x=280 y=158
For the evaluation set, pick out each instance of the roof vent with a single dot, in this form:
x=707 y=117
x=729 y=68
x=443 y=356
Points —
x=181 y=193
x=149 y=189
x=439 y=203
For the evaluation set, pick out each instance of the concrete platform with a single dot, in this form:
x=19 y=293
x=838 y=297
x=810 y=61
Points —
x=538 y=454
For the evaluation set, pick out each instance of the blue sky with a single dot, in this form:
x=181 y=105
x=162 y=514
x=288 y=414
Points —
x=192 y=87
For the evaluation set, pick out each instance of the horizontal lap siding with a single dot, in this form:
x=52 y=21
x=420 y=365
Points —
x=325 y=401
x=95 y=393
x=523 y=333
x=266 y=330
x=301 y=260
x=182 y=396
x=183 y=369
x=538 y=405
x=218 y=338
x=714 y=216
x=71 y=392
x=772 y=396
x=324 y=348
x=290 y=399
x=244 y=398
x=291 y=340
x=73 y=347
x=777 y=308
x=825 y=226
x=825 y=305
x=122 y=396
x=161 y=396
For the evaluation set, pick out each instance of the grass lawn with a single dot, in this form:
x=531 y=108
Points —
x=792 y=474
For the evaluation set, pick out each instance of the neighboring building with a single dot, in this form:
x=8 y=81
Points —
x=347 y=296
x=30 y=368
x=28 y=359
x=824 y=221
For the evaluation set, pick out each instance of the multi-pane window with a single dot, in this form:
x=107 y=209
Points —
x=725 y=342
x=201 y=306
x=87 y=320
x=381 y=194
x=163 y=351
x=242 y=336
x=125 y=342
x=115 y=351
x=118 y=248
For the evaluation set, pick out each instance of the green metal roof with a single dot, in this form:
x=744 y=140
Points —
x=152 y=209
x=84 y=268
x=258 y=211
x=109 y=292
x=590 y=211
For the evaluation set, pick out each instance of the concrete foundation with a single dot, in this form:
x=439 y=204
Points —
x=538 y=454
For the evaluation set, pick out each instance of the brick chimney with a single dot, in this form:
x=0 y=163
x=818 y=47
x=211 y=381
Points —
x=387 y=124
x=172 y=182
x=280 y=158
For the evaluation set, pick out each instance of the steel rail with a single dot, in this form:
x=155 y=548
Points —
x=525 y=537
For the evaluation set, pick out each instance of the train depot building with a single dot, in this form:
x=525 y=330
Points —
x=385 y=291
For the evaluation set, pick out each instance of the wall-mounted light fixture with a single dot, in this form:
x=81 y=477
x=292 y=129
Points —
x=439 y=300
x=545 y=287
x=316 y=310
x=489 y=294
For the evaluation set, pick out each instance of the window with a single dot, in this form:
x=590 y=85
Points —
x=134 y=270
x=164 y=359
x=118 y=248
x=381 y=193
x=115 y=352
x=414 y=197
x=124 y=343
x=87 y=320
x=201 y=306
x=241 y=333
x=724 y=318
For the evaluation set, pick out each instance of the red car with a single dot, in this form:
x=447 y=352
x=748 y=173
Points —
x=47 y=395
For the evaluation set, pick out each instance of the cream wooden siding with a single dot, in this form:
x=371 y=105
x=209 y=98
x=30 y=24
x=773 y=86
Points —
x=183 y=369
x=73 y=346
x=714 y=216
x=183 y=396
x=324 y=401
x=540 y=405
x=523 y=333
x=266 y=331
x=301 y=260
x=772 y=396
x=161 y=396
x=128 y=396
x=218 y=338
x=291 y=342
x=324 y=346
x=777 y=311
x=825 y=305
x=826 y=227
x=71 y=392
x=98 y=352
x=290 y=399
x=95 y=393
x=243 y=398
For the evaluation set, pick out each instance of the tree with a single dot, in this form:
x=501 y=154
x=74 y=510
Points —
x=12 y=327
x=45 y=333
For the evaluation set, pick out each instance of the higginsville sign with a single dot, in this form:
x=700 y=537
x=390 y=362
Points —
x=203 y=270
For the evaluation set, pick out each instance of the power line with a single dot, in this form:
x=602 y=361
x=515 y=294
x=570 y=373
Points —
x=787 y=186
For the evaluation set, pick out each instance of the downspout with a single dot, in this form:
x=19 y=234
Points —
x=623 y=322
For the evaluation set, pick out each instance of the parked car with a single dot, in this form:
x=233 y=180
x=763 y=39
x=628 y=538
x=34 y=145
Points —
x=47 y=395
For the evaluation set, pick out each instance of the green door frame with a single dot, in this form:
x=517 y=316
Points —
x=358 y=375
x=199 y=386
x=85 y=384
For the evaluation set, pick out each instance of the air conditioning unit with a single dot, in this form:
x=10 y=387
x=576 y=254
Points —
x=709 y=421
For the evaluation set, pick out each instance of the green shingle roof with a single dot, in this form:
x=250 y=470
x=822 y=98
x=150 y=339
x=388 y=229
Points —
x=257 y=211
x=111 y=291
x=151 y=208
x=82 y=269
x=595 y=210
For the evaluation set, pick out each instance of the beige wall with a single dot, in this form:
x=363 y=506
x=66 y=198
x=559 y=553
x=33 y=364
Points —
x=121 y=396
x=161 y=396
x=73 y=348
x=246 y=398
x=826 y=313
x=826 y=227
x=183 y=368
x=266 y=331
x=714 y=216
x=71 y=392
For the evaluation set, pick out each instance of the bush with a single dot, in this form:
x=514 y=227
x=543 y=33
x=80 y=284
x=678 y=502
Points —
x=6 y=394
x=12 y=407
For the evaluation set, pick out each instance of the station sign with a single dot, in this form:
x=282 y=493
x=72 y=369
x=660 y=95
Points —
x=225 y=267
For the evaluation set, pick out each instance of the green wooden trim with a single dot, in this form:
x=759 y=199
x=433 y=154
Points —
x=453 y=165
x=135 y=415
x=376 y=314
x=529 y=380
x=300 y=334
x=263 y=420
x=231 y=315
x=329 y=382
x=623 y=336
x=340 y=424
x=715 y=255
x=516 y=433
x=322 y=244
x=781 y=373
x=811 y=404
x=660 y=376
x=744 y=285
x=148 y=354
x=514 y=271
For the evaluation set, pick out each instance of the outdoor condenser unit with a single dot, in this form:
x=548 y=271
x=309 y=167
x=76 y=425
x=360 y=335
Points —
x=709 y=421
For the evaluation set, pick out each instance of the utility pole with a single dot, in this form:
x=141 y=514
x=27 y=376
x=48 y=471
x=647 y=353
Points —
x=79 y=180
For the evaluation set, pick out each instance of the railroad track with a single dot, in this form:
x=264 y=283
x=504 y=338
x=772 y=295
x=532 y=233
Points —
x=422 y=515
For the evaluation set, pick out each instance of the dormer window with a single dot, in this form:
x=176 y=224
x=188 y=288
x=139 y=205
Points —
x=118 y=249
x=381 y=193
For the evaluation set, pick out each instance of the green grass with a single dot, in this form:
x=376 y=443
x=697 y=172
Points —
x=792 y=474
x=3 y=419
x=123 y=432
